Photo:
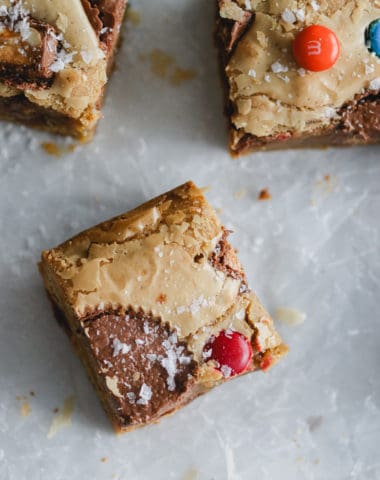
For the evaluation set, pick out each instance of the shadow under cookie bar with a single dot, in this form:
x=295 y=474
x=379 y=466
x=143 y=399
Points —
x=25 y=76
x=355 y=122
x=144 y=298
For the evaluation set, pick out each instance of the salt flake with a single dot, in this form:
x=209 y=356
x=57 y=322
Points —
x=119 y=347
x=288 y=16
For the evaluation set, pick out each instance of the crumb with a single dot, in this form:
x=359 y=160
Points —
x=264 y=194
x=62 y=419
x=55 y=410
x=133 y=16
x=327 y=184
x=56 y=150
x=32 y=394
x=25 y=409
x=104 y=459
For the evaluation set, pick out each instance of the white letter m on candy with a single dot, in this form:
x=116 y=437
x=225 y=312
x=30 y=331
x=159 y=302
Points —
x=314 y=47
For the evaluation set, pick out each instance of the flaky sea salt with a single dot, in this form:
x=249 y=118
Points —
x=197 y=303
x=16 y=18
x=119 y=347
x=252 y=73
x=278 y=67
x=131 y=397
x=288 y=16
x=86 y=56
x=174 y=355
x=314 y=5
x=152 y=357
x=183 y=360
x=300 y=14
x=170 y=365
x=229 y=332
x=145 y=394
x=63 y=59
x=146 y=328
x=330 y=112
x=226 y=371
x=374 y=84
x=207 y=353
x=301 y=72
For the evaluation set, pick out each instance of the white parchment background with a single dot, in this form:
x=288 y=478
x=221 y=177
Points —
x=313 y=246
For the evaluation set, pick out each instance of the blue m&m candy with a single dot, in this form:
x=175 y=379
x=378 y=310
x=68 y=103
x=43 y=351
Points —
x=372 y=37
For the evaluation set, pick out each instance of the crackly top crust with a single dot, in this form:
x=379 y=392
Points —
x=166 y=257
x=269 y=103
x=79 y=69
x=156 y=257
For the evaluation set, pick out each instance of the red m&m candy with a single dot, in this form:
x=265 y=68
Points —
x=231 y=350
x=316 y=48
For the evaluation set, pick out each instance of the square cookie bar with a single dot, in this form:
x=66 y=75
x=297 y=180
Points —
x=157 y=306
x=55 y=59
x=300 y=73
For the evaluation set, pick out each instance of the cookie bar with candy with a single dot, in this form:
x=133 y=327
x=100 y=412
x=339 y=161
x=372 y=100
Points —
x=55 y=60
x=300 y=73
x=157 y=306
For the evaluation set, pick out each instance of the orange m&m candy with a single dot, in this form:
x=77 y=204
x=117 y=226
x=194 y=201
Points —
x=316 y=48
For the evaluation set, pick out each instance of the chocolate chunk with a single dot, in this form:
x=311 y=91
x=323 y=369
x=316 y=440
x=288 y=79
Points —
x=91 y=8
x=224 y=259
x=229 y=32
x=362 y=117
x=25 y=60
x=142 y=362
x=106 y=17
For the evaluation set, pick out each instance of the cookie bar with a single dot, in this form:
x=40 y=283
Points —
x=300 y=73
x=157 y=306
x=55 y=60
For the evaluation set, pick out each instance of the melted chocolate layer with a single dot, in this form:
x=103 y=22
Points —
x=106 y=17
x=146 y=368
